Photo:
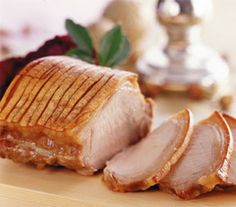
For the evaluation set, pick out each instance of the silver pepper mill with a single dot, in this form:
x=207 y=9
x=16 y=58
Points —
x=185 y=64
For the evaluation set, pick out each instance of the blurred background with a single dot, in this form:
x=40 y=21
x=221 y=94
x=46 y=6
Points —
x=25 y=24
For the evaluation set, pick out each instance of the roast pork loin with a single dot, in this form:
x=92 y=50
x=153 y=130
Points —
x=144 y=164
x=205 y=162
x=231 y=178
x=63 y=111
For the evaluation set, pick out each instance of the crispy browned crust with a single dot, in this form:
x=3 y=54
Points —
x=192 y=193
x=69 y=94
x=93 y=78
x=13 y=85
x=13 y=97
x=83 y=103
x=20 y=148
x=230 y=120
x=232 y=124
x=34 y=92
x=99 y=99
x=8 y=102
x=26 y=73
x=37 y=108
x=46 y=94
x=112 y=182
x=40 y=71
x=33 y=109
x=55 y=97
x=207 y=183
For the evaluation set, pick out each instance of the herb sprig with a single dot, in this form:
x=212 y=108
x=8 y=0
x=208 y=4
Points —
x=114 y=46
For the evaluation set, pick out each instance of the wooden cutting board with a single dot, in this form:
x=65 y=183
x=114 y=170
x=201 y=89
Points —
x=24 y=186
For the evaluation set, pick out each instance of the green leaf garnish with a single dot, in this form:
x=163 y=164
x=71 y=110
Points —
x=80 y=36
x=114 y=46
x=109 y=45
x=77 y=53
x=121 y=54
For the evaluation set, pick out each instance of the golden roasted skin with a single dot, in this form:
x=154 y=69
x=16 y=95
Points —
x=49 y=103
x=231 y=177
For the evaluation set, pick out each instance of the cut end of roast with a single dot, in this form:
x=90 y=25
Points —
x=144 y=164
x=123 y=121
x=63 y=111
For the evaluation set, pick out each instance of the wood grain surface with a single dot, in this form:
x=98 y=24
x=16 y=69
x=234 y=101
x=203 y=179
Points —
x=25 y=186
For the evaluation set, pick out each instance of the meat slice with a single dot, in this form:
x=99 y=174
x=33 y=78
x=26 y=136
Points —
x=104 y=112
x=205 y=162
x=231 y=178
x=144 y=164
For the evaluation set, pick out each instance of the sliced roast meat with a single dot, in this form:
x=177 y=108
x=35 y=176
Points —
x=231 y=178
x=144 y=164
x=63 y=111
x=205 y=162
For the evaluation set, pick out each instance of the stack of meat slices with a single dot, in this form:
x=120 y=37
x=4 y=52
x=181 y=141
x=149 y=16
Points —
x=146 y=163
x=63 y=111
x=180 y=158
x=205 y=163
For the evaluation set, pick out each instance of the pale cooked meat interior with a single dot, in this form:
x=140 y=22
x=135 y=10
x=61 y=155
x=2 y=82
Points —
x=145 y=163
x=113 y=124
